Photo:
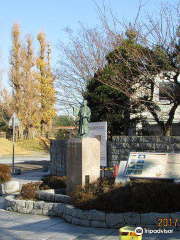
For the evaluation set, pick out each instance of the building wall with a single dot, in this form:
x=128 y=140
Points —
x=164 y=105
x=118 y=149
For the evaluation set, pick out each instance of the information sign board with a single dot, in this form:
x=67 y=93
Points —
x=147 y=165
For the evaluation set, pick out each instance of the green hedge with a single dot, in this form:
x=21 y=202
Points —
x=135 y=196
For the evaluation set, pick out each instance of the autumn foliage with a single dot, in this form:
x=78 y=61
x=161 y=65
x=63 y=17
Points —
x=29 y=190
x=5 y=173
x=32 y=81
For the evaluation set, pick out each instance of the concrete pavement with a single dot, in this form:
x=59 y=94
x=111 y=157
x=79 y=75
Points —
x=30 y=176
x=33 y=227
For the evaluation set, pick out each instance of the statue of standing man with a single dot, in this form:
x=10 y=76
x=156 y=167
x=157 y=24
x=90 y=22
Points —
x=84 y=114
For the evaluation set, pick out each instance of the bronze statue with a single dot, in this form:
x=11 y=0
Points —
x=84 y=114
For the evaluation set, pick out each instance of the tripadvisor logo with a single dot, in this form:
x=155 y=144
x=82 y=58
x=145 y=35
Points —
x=139 y=231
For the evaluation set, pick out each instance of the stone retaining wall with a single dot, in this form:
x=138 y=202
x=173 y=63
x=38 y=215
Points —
x=51 y=197
x=91 y=218
x=119 y=148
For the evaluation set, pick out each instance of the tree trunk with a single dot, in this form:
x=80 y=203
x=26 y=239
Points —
x=29 y=133
x=43 y=128
x=127 y=117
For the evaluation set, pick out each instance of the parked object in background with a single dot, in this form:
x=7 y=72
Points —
x=17 y=171
x=45 y=168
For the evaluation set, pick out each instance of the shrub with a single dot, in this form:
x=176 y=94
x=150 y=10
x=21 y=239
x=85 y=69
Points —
x=54 y=182
x=29 y=190
x=135 y=196
x=5 y=173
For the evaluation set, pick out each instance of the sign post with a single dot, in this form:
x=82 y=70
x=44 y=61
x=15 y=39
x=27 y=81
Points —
x=14 y=122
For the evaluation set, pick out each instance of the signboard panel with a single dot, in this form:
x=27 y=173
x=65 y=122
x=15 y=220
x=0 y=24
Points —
x=173 y=170
x=16 y=121
x=146 y=164
x=99 y=130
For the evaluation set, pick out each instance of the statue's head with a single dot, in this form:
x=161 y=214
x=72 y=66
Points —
x=84 y=103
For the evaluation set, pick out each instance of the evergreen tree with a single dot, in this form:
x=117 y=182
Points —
x=108 y=104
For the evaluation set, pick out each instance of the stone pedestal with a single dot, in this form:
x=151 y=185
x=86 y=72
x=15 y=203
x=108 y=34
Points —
x=82 y=162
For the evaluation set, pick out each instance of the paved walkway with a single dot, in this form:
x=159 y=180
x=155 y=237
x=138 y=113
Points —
x=16 y=226
x=30 y=176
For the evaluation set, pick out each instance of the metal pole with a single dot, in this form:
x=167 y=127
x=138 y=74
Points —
x=103 y=172
x=13 y=122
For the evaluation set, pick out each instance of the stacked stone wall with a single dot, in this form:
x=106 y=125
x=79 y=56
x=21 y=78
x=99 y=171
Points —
x=91 y=218
x=121 y=146
x=117 y=150
x=58 y=157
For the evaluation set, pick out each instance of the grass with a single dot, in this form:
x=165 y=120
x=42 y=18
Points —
x=6 y=147
x=24 y=147
x=36 y=144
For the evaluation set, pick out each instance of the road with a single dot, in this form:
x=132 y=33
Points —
x=22 y=158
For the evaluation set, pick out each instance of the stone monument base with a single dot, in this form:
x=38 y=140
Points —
x=82 y=162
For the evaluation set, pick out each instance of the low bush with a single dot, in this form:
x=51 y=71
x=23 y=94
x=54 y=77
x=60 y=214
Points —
x=5 y=173
x=54 y=182
x=28 y=191
x=135 y=196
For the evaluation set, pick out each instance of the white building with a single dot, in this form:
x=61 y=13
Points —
x=163 y=90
